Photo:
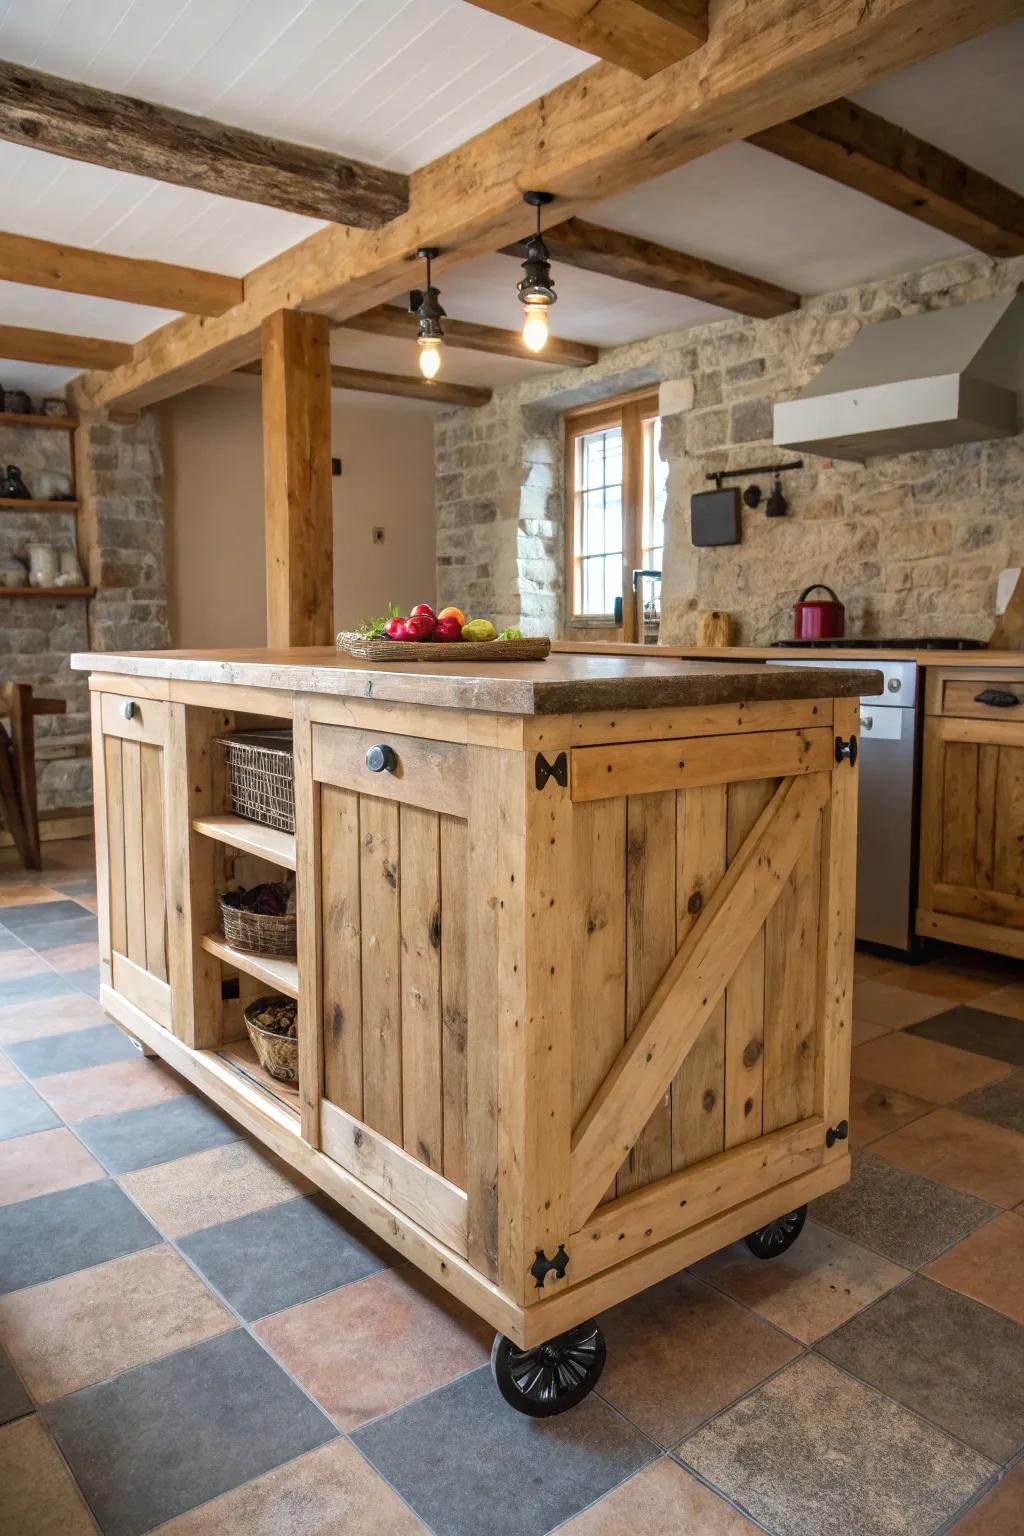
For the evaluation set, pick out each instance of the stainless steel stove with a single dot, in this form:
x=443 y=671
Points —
x=931 y=643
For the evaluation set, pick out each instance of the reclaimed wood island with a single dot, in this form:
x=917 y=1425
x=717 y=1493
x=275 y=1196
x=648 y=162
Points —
x=574 y=954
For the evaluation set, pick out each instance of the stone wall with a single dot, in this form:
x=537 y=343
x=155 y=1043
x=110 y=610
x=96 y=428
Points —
x=912 y=543
x=121 y=547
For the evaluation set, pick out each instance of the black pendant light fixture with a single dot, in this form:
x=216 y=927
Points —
x=424 y=303
x=536 y=287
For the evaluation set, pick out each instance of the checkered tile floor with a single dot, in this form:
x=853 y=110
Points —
x=194 y=1341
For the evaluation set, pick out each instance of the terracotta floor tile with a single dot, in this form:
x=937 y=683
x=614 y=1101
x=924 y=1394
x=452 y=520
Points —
x=999 y=1513
x=370 y=1347
x=73 y=957
x=1008 y=1000
x=680 y=1352
x=981 y=1159
x=815 y=1453
x=328 y=1492
x=48 y=1016
x=824 y=1279
x=867 y=965
x=43 y=1163
x=878 y=1002
x=20 y=962
x=875 y=1110
x=925 y=1068
x=988 y=1265
x=212 y=1186
x=663 y=1498
x=20 y=894
x=109 y=1089
x=9 y=1073
x=863 y=1031
x=39 y=1493
x=95 y=1323
x=962 y=985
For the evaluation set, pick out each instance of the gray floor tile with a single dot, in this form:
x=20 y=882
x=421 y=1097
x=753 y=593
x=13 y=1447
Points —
x=468 y=1463
x=70 y=1052
x=899 y=1214
x=949 y=1358
x=1000 y=1103
x=812 y=1453
x=14 y=1400
x=27 y=989
x=156 y=1133
x=22 y=1111
x=162 y=1438
x=974 y=1029
x=35 y=914
x=86 y=980
x=52 y=1235
x=276 y=1258
x=82 y=929
x=9 y=941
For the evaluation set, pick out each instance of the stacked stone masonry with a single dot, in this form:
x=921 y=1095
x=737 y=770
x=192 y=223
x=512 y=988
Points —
x=119 y=477
x=912 y=543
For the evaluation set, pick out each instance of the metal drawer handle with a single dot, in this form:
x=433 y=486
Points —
x=998 y=698
x=129 y=709
x=866 y=722
x=382 y=759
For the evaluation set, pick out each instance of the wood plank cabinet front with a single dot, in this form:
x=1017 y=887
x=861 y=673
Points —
x=972 y=816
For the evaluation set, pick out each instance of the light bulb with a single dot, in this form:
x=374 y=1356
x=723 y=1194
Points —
x=430 y=356
x=535 y=328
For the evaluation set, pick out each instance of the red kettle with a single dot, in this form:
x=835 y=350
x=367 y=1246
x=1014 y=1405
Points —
x=821 y=618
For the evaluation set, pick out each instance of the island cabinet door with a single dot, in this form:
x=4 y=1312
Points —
x=129 y=743
x=712 y=952
x=392 y=856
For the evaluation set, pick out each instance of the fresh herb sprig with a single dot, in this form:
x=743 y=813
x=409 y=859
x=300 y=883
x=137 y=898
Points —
x=373 y=629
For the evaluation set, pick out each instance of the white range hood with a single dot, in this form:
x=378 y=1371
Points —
x=921 y=381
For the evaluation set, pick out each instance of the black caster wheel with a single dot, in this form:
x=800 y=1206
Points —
x=768 y=1242
x=552 y=1377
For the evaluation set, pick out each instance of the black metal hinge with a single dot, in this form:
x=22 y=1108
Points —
x=558 y=770
x=542 y=1266
x=846 y=750
x=837 y=1133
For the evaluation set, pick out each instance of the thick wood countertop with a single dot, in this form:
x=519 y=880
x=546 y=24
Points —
x=736 y=653
x=564 y=684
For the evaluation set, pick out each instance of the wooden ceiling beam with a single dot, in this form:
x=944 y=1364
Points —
x=26 y=346
x=123 y=133
x=466 y=335
x=367 y=381
x=597 y=134
x=71 y=269
x=576 y=243
x=642 y=36
x=851 y=145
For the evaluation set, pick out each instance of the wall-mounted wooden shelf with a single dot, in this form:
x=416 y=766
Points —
x=23 y=504
x=280 y=975
x=43 y=423
x=250 y=837
x=47 y=591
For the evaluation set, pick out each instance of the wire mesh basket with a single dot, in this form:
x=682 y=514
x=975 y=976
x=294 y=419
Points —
x=257 y=933
x=261 y=783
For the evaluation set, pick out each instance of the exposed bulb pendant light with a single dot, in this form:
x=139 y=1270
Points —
x=536 y=288
x=424 y=303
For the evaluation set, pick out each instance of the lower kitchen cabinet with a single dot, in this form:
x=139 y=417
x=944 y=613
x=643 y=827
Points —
x=971 y=887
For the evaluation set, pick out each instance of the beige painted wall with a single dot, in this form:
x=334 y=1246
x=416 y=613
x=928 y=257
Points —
x=213 y=466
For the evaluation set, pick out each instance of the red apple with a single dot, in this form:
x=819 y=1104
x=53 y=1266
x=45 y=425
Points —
x=395 y=629
x=420 y=609
x=448 y=629
x=419 y=626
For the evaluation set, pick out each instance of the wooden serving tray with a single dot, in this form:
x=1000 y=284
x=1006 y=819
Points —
x=534 y=648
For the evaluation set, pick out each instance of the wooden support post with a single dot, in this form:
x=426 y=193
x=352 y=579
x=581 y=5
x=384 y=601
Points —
x=191 y=875
x=297 y=470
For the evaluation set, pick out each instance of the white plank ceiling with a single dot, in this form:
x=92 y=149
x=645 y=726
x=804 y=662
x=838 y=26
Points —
x=399 y=82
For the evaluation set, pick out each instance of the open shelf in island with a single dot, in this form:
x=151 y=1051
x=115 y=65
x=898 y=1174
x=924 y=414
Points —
x=279 y=975
x=250 y=837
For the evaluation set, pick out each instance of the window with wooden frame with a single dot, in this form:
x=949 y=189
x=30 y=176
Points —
x=615 y=514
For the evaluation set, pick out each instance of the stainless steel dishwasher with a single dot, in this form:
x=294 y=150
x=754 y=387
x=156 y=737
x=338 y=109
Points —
x=887 y=827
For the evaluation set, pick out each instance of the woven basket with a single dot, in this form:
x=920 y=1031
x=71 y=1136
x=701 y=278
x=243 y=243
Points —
x=277 y=1054
x=258 y=933
x=536 y=648
x=261 y=781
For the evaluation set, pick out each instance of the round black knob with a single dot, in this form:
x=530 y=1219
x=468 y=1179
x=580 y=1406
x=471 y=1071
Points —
x=382 y=759
x=129 y=709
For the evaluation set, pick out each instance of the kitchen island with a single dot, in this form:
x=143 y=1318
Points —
x=574 y=955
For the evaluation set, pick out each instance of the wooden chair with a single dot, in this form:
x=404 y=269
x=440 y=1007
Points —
x=18 y=766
